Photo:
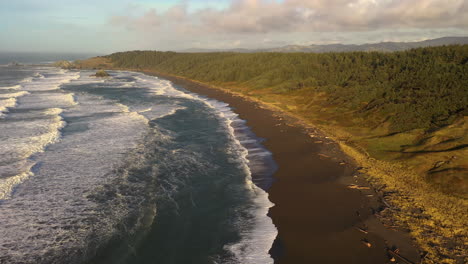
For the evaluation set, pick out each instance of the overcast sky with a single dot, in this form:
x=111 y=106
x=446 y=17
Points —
x=105 y=26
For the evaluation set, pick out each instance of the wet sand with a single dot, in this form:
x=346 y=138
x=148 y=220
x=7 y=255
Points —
x=320 y=219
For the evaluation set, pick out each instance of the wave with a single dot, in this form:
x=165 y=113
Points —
x=257 y=232
x=35 y=124
x=126 y=109
x=57 y=207
x=162 y=87
x=255 y=243
x=50 y=80
x=8 y=184
x=27 y=80
x=38 y=75
x=13 y=95
x=78 y=160
x=21 y=140
x=5 y=104
x=257 y=154
x=9 y=101
x=14 y=87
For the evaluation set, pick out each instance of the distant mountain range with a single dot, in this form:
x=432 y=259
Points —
x=382 y=46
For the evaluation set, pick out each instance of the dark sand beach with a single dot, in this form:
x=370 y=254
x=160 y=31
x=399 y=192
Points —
x=321 y=217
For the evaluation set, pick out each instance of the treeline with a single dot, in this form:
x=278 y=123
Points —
x=420 y=88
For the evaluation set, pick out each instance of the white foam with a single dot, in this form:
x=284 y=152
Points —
x=38 y=75
x=14 y=87
x=85 y=78
x=39 y=83
x=52 y=80
x=28 y=132
x=9 y=100
x=147 y=110
x=13 y=95
x=161 y=87
x=55 y=197
x=29 y=137
x=51 y=204
x=6 y=103
x=7 y=184
x=256 y=243
x=258 y=234
x=20 y=140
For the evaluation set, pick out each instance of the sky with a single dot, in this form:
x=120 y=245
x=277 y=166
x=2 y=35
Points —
x=105 y=26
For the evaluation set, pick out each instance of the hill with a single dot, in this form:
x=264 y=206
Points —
x=382 y=46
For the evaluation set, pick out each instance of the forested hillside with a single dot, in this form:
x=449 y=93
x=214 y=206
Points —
x=422 y=88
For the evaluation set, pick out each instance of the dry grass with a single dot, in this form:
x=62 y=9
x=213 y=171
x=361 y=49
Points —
x=435 y=213
x=93 y=63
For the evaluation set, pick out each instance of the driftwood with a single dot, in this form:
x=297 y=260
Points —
x=361 y=230
x=357 y=187
x=387 y=204
x=366 y=243
x=391 y=227
x=399 y=257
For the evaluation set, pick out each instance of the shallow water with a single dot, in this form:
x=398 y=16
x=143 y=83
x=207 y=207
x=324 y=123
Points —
x=127 y=169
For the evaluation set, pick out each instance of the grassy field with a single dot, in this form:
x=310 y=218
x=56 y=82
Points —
x=401 y=115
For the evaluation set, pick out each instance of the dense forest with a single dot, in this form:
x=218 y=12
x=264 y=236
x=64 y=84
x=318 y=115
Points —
x=421 y=88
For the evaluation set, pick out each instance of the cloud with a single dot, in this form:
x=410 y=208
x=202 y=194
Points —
x=273 y=23
x=270 y=16
x=150 y=20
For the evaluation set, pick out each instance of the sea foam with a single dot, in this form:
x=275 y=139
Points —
x=50 y=198
x=57 y=166
x=258 y=234
x=33 y=122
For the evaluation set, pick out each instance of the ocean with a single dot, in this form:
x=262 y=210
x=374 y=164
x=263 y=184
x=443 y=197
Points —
x=127 y=169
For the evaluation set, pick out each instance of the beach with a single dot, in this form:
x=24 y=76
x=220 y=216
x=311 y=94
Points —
x=325 y=211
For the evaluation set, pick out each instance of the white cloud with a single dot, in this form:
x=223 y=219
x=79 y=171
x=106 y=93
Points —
x=264 y=16
x=243 y=19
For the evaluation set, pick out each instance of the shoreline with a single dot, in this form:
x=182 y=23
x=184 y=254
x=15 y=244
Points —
x=321 y=203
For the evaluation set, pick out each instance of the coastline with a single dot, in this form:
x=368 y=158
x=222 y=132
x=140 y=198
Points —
x=321 y=203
